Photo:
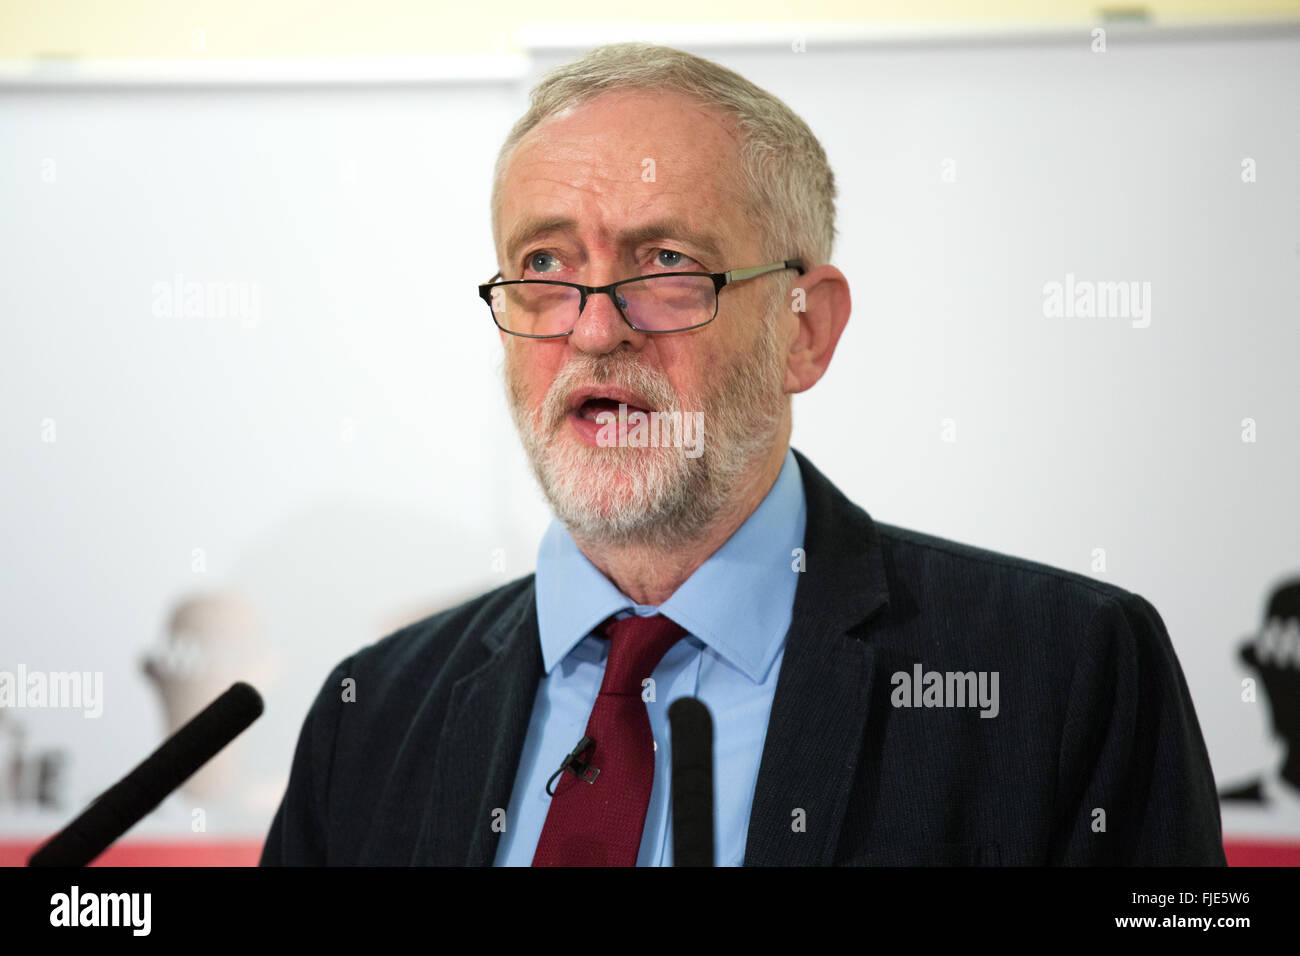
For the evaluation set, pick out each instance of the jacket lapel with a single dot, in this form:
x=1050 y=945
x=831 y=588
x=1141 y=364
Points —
x=481 y=741
x=819 y=713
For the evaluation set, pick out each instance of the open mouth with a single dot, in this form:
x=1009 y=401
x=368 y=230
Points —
x=593 y=408
x=589 y=404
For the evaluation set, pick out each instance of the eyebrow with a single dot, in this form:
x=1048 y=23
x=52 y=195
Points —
x=665 y=229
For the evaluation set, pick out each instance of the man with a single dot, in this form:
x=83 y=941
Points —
x=878 y=696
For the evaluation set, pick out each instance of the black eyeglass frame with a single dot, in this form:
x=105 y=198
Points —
x=720 y=279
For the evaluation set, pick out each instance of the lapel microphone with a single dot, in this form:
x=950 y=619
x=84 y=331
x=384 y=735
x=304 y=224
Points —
x=574 y=763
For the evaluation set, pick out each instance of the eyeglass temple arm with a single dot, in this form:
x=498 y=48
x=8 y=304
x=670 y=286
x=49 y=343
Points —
x=736 y=275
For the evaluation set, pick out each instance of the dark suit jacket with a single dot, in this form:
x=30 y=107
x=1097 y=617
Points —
x=1095 y=755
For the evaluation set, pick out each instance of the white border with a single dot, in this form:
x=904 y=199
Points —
x=548 y=37
x=279 y=71
x=548 y=41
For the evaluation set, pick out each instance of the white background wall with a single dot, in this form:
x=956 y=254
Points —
x=362 y=215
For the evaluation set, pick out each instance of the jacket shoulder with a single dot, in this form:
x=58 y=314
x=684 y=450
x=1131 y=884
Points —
x=966 y=568
x=986 y=599
x=943 y=581
x=416 y=653
x=375 y=718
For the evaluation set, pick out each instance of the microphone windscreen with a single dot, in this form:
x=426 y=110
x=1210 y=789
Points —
x=692 y=742
x=124 y=804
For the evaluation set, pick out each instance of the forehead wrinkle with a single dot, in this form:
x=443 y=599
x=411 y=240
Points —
x=666 y=228
x=597 y=168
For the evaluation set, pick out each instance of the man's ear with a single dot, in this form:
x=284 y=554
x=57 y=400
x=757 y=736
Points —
x=820 y=306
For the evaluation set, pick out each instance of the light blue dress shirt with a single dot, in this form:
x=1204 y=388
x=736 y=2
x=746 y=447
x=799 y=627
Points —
x=736 y=609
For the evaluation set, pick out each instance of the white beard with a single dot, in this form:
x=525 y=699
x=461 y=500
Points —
x=657 y=497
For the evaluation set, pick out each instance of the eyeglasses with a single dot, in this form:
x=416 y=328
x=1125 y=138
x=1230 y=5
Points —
x=655 y=304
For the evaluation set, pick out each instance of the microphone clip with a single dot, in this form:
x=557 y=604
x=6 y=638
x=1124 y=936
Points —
x=574 y=763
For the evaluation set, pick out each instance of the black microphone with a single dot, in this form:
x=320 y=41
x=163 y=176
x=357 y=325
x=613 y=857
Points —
x=692 y=739
x=124 y=804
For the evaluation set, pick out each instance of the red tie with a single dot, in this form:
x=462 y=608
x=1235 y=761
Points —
x=600 y=823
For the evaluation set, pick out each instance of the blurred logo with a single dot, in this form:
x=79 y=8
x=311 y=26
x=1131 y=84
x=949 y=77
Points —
x=1273 y=653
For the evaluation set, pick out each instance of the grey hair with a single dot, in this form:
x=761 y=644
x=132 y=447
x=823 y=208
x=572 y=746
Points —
x=784 y=173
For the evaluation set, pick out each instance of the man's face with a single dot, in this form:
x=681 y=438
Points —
x=630 y=184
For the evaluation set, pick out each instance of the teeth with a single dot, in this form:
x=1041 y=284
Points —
x=586 y=409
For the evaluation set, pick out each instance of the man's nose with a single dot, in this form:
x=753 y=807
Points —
x=600 y=327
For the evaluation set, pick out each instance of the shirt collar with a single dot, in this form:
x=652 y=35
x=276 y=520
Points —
x=738 y=602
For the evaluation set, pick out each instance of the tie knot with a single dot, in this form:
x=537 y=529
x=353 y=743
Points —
x=636 y=646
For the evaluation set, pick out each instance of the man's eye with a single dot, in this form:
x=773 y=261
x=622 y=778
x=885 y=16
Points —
x=669 y=259
x=538 y=261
